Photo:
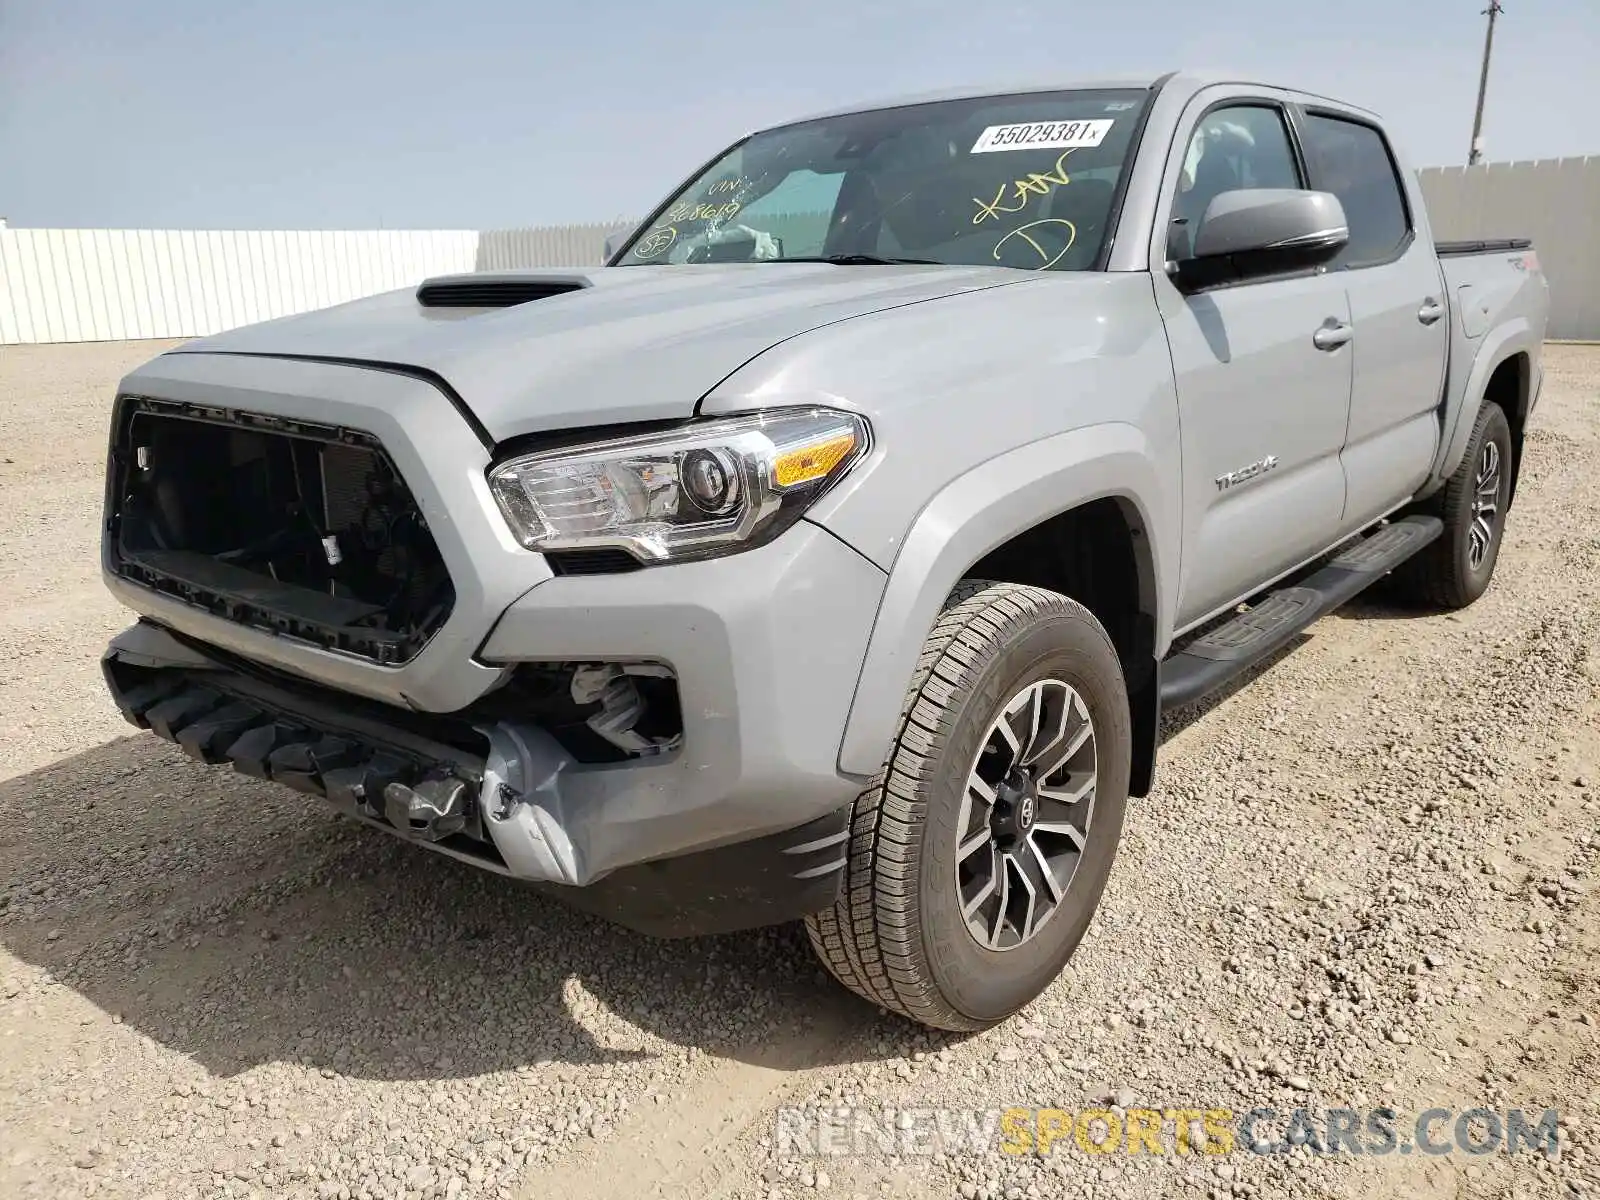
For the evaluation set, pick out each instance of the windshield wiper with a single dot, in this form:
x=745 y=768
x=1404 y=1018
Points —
x=860 y=260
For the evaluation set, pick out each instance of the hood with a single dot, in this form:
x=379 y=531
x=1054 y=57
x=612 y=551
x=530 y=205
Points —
x=625 y=344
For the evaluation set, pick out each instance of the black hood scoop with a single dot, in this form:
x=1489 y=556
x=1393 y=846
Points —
x=494 y=291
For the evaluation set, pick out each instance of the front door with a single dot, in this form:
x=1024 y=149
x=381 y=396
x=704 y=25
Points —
x=1263 y=396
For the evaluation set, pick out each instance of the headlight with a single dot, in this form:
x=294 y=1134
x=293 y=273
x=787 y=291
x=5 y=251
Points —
x=696 y=492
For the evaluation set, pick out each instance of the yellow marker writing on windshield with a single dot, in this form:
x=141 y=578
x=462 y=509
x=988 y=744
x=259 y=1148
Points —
x=1046 y=262
x=685 y=211
x=1035 y=184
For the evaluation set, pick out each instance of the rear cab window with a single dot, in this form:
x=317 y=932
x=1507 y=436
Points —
x=1352 y=160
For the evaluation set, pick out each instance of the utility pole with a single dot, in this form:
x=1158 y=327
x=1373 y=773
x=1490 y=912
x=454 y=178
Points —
x=1476 y=154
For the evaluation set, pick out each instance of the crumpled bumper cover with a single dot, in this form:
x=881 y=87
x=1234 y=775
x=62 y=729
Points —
x=484 y=798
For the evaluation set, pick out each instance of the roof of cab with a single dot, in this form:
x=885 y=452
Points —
x=974 y=90
x=1187 y=81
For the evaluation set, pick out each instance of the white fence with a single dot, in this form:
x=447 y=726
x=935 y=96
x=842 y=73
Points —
x=94 y=285
x=90 y=285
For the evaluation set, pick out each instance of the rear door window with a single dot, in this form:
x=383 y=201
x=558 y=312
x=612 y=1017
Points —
x=1351 y=160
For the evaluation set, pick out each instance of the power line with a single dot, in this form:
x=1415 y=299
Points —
x=1475 y=155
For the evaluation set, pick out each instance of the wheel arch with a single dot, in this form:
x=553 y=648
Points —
x=1098 y=553
x=1077 y=513
x=1502 y=373
x=1510 y=386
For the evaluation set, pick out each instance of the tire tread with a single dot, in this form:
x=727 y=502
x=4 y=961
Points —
x=1434 y=576
x=870 y=939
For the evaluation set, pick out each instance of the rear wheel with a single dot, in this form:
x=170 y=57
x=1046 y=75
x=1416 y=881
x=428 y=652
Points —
x=979 y=853
x=1455 y=570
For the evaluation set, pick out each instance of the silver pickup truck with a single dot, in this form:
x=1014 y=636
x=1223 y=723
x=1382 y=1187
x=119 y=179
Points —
x=833 y=551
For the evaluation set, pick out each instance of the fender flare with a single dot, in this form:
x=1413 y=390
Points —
x=1515 y=337
x=968 y=518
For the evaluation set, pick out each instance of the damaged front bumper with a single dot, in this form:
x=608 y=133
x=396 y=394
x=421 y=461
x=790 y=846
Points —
x=700 y=790
x=735 y=817
x=489 y=795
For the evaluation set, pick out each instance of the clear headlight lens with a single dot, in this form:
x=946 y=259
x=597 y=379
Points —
x=696 y=492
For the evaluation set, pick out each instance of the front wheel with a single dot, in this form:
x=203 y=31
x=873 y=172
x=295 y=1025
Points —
x=978 y=854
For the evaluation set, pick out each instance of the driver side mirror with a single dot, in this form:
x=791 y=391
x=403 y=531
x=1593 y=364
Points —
x=614 y=241
x=1256 y=232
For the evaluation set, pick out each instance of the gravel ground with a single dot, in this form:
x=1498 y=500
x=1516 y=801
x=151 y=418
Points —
x=1364 y=878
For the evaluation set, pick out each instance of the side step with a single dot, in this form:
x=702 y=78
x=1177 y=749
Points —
x=1209 y=662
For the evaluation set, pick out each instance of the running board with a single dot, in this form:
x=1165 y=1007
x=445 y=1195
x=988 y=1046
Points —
x=1209 y=662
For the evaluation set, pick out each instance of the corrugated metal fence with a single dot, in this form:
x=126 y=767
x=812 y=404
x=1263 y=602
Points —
x=555 y=246
x=68 y=285
x=1555 y=201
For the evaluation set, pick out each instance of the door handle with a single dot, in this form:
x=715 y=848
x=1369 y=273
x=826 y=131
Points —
x=1333 y=335
x=1430 y=311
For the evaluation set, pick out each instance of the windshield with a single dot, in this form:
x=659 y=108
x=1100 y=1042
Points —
x=1023 y=181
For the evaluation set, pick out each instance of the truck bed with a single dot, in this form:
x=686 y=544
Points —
x=1489 y=283
x=1495 y=288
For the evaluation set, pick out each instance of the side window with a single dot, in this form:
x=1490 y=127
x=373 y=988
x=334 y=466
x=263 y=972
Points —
x=1241 y=146
x=1352 y=161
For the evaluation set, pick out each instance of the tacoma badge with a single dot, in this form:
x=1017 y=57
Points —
x=1233 y=478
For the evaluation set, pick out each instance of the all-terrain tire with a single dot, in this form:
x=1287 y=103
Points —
x=897 y=934
x=1451 y=573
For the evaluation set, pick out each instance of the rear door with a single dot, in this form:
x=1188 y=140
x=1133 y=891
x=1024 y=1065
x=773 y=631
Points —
x=1398 y=306
x=1263 y=406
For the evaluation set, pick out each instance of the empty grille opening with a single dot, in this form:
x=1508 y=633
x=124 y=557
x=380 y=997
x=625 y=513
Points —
x=467 y=292
x=301 y=529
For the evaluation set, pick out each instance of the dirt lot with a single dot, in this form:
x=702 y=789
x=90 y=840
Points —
x=1365 y=878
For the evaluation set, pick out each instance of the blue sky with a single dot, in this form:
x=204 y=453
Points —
x=484 y=113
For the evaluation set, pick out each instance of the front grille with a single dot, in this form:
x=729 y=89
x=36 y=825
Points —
x=303 y=530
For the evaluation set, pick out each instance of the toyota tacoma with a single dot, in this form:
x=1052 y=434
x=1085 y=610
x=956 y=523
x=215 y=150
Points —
x=833 y=550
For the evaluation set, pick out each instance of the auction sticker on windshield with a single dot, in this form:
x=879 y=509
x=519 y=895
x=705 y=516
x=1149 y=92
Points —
x=1041 y=135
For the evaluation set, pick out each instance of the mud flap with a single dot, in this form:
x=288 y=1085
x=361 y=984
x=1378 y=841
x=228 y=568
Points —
x=1144 y=709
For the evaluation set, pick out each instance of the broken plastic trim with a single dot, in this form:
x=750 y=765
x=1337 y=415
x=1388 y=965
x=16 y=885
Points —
x=422 y=789
x=621 y=706
x=599 y=712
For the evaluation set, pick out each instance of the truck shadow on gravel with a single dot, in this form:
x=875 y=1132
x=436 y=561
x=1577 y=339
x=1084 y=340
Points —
x=1377 y=606
x=239 y=924
x=1175 y=721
